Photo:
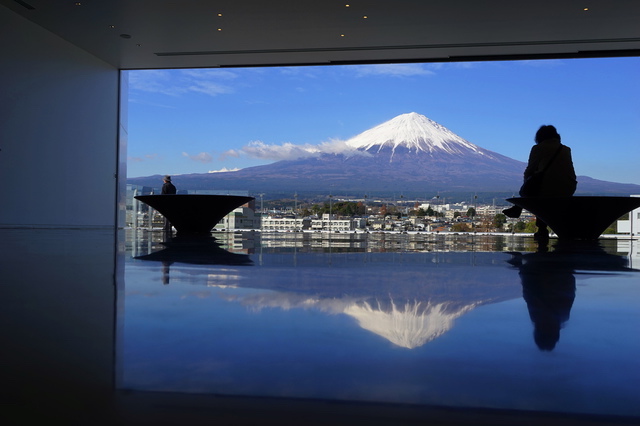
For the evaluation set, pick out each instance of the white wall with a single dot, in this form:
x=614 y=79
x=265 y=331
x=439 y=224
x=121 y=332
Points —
x=58 y=130
x=631 y=226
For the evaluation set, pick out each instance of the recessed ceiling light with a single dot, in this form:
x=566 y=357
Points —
x=585 y=9
x=78 y=3
x=219 y=29
x=112 y=26
x=219 y=14
x=365 y=17
x=341 y=35
x=347 y=5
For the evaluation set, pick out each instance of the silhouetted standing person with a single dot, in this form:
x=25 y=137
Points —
x=167 y=189
x=551 y=165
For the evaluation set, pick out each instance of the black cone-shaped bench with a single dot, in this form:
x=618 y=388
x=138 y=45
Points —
x=580 y=217
x=194 y=213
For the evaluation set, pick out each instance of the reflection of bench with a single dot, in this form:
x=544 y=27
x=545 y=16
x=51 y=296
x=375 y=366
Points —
x=194 y=213
x=583 y=218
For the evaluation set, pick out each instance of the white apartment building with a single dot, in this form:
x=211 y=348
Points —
x=240 y=218
x=632 y=225
x=489 y=210
x=285 y=224
x=331 y=223
x=447 y=209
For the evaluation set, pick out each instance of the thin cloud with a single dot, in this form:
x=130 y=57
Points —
x=393 y=70
x=408 y=70
x=542 y=63
x=451 y=65
x=224 y=170
x=154 y=81
x=303 y=72
x=209 y=88
x=210 y=74
x=180 y=82
x=154 y=104
x=147 y=157
x=338 y=146
x=229 y=153
x=286 y=151
x=203 y=157
x=289 y=151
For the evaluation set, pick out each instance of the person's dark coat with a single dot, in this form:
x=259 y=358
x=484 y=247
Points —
x=168 y=188
x=559 y=177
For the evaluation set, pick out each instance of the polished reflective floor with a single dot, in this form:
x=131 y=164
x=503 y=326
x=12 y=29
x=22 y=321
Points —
x=499 y=322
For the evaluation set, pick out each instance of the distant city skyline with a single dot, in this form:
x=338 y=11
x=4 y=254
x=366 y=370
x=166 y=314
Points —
x=204 y=120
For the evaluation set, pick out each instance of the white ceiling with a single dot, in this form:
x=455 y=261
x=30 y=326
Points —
x=191 y=34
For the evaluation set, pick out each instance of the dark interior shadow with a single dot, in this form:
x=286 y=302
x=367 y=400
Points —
x=194 y=250
x=549 y=282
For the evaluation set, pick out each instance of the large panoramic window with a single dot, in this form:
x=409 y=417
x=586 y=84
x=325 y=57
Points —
x=362 y=292
x=217 y=121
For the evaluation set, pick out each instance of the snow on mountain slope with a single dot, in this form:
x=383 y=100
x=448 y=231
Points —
x=414 y=132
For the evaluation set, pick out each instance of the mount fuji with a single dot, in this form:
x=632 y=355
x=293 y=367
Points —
x=413 y=132
x=410 y=154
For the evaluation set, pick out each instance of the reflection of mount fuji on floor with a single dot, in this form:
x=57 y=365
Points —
x=412 y=298
x=405 y=323
x=415 y=302
x=409 y=153
x=410 y=325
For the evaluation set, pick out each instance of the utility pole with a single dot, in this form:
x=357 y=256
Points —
x=295 y=211
x=365 y=204
x=330 y=212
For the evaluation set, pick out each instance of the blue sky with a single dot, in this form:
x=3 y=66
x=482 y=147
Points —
x=197 y=121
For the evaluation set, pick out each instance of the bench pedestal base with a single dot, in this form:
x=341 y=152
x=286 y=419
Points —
x=578 y=218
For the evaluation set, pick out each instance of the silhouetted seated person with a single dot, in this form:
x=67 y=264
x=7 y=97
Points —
x=549 y=173
x=167 y=189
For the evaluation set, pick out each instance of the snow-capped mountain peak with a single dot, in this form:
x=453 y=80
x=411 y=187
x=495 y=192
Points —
x=415 y=132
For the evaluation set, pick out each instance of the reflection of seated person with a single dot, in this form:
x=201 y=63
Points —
x=549 y=288
x=166 y=271
x=549 y=297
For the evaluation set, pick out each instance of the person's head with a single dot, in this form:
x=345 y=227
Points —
x=546 y=132
x=167 y=178
x=546 y=337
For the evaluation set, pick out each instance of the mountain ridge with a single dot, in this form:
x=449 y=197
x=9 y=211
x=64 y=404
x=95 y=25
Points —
x=409 y=153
